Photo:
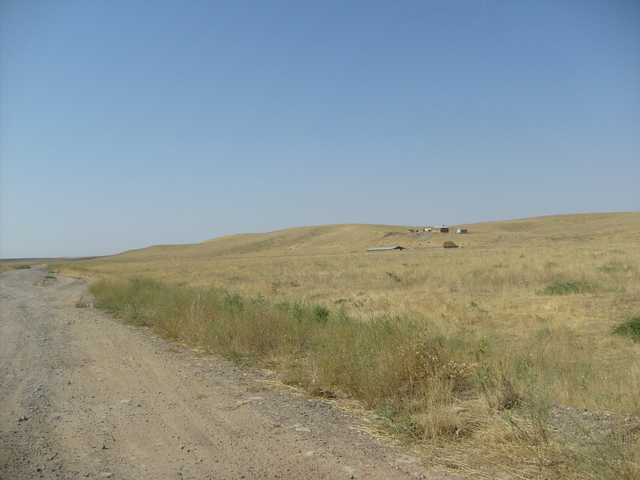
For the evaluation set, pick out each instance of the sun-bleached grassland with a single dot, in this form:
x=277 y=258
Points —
x=470 y=347
x=4 y=266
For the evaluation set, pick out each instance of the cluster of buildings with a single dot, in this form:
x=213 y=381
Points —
x=442 y=229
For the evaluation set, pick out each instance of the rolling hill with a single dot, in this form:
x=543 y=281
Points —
x=338 y=239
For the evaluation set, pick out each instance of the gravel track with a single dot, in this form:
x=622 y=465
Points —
x=83 y=395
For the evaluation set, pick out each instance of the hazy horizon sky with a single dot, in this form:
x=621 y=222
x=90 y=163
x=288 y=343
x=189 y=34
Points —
x=125 y=124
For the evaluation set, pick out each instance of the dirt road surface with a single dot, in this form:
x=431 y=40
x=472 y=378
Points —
x=83 y=395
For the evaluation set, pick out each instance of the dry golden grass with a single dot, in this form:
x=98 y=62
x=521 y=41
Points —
x=12 y=265
x=496 y=301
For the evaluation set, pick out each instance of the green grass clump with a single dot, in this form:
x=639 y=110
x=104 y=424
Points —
x=630 y=328
x=568 y=288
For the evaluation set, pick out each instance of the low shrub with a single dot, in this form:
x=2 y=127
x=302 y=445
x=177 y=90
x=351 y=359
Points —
x=567 y=288
x=630 y=328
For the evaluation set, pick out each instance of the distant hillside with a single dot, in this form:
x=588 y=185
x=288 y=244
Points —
x=613 y=227
x=328 y=239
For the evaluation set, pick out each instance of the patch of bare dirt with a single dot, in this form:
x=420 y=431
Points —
x=46 y=280
x=584 y=426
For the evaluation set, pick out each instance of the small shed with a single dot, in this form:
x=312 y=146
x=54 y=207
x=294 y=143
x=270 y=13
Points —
x=442 y=229
x=379 y=249
x=462 y=230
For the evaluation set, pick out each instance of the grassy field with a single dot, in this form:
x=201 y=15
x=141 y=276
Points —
x=4 y=266
x=495 y=358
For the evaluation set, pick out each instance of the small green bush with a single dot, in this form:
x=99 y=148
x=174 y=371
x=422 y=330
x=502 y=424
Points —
x=567 y=288
x=630 y=328
x=321 y=314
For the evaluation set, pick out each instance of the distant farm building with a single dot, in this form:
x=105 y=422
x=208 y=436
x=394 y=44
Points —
x=449 y=244
x=462 y=230
x=381 y=249
x=442 y=229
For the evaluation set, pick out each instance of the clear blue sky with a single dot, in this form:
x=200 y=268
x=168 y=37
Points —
x=126 y=124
